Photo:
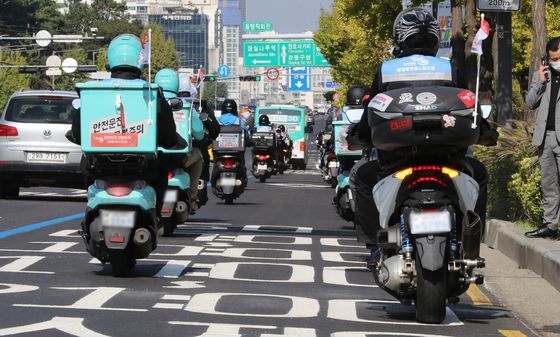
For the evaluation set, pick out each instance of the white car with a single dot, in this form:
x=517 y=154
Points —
x=34 y=150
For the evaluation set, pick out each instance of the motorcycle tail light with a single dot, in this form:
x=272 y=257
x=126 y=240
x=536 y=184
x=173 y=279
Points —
x=263 y=157
x=228 y=163
x=332 y=155
x=118 y=190
x=169 y=175
x=450 y=172
x=425 y=180
x=302 y=146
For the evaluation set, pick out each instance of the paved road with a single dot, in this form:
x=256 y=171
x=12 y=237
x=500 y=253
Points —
x=279 y=262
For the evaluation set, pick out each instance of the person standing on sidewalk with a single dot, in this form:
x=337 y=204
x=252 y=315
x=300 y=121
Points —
x=544 y=95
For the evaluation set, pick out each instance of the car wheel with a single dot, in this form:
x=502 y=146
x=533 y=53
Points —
x=8 y=191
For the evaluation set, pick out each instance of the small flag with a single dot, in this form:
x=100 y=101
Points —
x=145 y=52
x=481 y=35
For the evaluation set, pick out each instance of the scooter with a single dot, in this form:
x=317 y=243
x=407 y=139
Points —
x=263 y=150
x=330 y=170
x=430 y=235
x=344 y=198
x=284 y=155
x=176 y=203
x=228 y=180
x=120 y=224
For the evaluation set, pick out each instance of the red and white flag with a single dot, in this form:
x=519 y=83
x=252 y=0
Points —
x=145 y=52
x=481 y=35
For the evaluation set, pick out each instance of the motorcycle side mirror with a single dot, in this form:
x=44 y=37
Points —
x=203 y=116
x=176 y=104
x=486 y=109
x=76 y=103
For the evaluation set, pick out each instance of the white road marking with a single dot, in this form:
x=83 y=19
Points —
x=273 y=229
x=70 y=325
x=173 y=269
x=176 y=306
x=346 y=310
x=227 y=271
x=337 y=275
x=302 y=307
x=22 y=262
x=16 y=288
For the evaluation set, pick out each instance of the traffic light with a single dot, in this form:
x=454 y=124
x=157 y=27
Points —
x=28 y=69
x=250 y=78
x=209 y=78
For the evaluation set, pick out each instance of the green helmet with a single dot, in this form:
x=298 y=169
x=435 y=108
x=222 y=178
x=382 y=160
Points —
x=168 y=80
x=124 y=50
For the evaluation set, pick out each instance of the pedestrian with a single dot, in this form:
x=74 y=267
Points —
x=543 y=95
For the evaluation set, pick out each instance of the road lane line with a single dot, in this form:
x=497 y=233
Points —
x=39 y=225
x=512 y=333
x=477 y=296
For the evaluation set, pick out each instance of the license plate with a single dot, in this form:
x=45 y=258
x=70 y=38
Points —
x=117 y=218
x=430 y=222
x=46 y=157
x=261 y=167
x=171 y=196
x=227 y=181
x=333 y=164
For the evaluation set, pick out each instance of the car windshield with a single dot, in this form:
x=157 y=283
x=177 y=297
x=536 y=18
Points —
x=40 y=109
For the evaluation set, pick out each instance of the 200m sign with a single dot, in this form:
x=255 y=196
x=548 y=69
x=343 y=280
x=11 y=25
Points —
x=499 y=5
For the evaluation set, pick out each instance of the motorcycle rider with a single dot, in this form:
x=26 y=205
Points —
x=264 y=124
x=123 y=56
x=230 y=117
x=193 y=163
x=416 y=36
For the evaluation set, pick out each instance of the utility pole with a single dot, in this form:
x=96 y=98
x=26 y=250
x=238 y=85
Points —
x=504 y=80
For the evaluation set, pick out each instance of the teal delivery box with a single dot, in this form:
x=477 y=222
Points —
x=183 y=120
x=340 y=144
x=116 y=117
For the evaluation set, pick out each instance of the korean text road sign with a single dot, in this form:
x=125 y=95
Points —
x=292 y=53
x=299 y=79
x=499 y=5
x=258 y=26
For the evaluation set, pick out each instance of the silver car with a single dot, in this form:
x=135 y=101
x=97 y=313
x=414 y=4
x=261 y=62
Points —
x=33 y=148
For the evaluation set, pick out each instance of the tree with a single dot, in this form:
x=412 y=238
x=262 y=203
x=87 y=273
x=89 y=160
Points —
x=68 y=81
x=210 y=88
x=10 y=79
x=164 y=54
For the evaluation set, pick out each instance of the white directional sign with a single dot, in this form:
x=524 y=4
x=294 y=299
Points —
x=499 y=5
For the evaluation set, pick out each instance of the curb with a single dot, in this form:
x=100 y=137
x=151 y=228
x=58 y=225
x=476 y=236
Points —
x=539 y=255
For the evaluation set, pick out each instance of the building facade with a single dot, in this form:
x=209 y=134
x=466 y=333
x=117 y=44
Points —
x=233 y=13
x=190 y=34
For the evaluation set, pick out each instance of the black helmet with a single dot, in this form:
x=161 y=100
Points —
x=415 y=31
x=264 y=121
x=355 y=95
x=229 y=107
x=282 y=128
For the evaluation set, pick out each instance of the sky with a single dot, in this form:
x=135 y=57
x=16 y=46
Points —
x=288 y=16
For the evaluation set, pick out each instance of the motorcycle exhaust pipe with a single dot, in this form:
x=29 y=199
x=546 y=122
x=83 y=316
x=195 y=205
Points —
x=181 y=207
x=142 y=243
x=470 y=236
x=182 y=210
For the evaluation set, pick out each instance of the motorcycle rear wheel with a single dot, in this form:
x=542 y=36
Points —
x=262 y=179
x=430 y=294
x=229 y=200
x=122 y=262
x=168 y=225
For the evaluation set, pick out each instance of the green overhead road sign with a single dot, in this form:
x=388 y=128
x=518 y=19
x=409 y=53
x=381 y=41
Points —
x=258 y=26
x=293 y=53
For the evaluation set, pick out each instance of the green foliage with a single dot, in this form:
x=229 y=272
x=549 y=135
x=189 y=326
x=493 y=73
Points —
x=525 y=186
x=220 y=89
x=164 y=54
x=10 y=80
x=68 y=81
x=503 y=162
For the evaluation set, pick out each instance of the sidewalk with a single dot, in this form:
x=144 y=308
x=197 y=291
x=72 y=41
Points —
x=539 y=255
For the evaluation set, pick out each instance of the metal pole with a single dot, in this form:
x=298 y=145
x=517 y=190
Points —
x=215 y=97
x=504 y=81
